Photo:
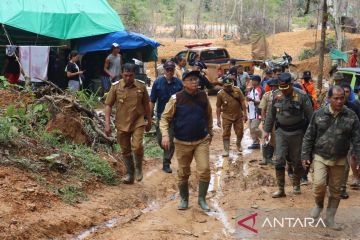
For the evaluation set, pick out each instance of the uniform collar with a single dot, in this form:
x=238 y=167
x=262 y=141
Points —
x=122 y=84
x=331 y=111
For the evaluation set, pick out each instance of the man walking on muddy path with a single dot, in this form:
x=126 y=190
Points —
x=132 y=105
x=191 y=114
x=163 y=88
x=327 y=141
x=290 y=111
x=230 y=104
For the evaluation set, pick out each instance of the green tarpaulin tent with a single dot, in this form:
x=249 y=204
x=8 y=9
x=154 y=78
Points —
x=62 y=19
x=338 y=55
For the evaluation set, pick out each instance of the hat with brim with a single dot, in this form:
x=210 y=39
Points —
x=284 y=81
x=284 y=86
x=169 y=65
x=227 y=81
x=189 y=73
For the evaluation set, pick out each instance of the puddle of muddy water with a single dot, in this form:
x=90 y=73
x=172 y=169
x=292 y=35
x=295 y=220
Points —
x=153 y=205
x=216 y=180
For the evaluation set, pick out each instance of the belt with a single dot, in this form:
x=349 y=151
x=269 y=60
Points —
x=292 y=128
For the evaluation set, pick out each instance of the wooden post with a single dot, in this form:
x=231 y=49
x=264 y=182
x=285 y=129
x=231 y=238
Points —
x=324 y=18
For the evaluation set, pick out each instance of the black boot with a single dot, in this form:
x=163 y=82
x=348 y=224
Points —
x=184 y=194
x=166 y=166
x=343 y=193
x=203 y=187
x=138 y=168
x=129 y=177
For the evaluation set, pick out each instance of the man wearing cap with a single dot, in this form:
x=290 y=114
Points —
x=308 y=86
x=132 y=105
x=230 y=104
x=338 y=80
x=253 y=98
x=180 y=66
x=353 y=58
x=163 y=88
x=327 y=142
x=290 y=112
x=191 y=114
x=203 y=80
x=265 y=104
x=112 y=67
x=232 y=74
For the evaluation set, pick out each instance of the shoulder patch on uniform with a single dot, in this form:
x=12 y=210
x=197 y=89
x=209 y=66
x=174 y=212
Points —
x=115 y=83
x=173 y=96
x=142 y=82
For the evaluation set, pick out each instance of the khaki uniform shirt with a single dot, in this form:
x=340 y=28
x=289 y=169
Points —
x=168 y=115
x=230 y=108
x=178 y=72
x=266 y=101
x=130 y=102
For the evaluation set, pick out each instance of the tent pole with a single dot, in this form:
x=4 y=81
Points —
x=27 y=79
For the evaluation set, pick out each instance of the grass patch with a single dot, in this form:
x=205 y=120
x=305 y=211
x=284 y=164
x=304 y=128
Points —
x=92 y=162
x=151 y=147
x=72 y=194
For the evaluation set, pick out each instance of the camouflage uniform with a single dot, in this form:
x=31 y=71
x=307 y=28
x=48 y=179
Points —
x=289 y=114
x=328 y=140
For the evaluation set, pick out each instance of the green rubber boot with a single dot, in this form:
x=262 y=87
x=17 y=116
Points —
x=184 y=194
x=203 y=187
x=129 y=177
x=316 y=211
x=280 y=178
x=226 y=147
x=331 y=209
x=138 y=168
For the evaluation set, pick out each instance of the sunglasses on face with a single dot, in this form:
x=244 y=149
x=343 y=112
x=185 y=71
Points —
x=170 y=70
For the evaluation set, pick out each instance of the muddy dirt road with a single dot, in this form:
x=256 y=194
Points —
x=239 y=189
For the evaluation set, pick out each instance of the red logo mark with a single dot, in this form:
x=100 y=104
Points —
x=241 y=222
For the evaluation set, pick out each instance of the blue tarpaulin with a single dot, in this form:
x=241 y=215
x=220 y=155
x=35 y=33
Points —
x=126 y=40
x=132 y=45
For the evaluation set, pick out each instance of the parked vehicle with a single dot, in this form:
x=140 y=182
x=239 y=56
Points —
x=217 y=60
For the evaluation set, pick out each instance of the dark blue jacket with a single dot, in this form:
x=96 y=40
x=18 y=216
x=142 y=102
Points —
x=162 y=91
x=191 y=119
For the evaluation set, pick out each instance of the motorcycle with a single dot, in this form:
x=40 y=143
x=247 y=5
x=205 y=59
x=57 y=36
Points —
x=284 y=63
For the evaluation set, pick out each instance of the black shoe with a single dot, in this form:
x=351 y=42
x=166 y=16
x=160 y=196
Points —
x=344 y=194
x=166 y=168
x=254 y=146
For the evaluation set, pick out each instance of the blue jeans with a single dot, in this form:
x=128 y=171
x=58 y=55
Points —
x=105 y=83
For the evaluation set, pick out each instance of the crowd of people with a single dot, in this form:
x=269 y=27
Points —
x=282 y=112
